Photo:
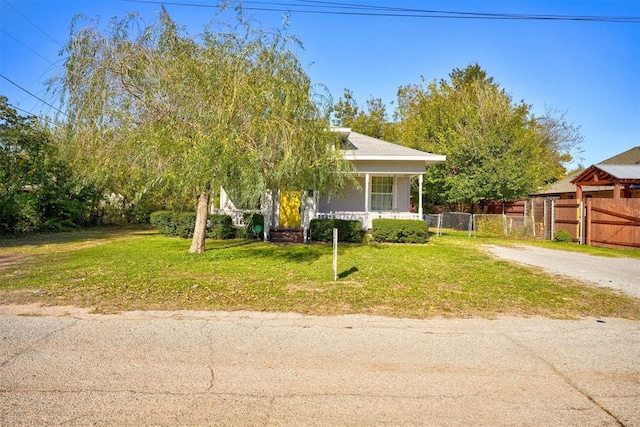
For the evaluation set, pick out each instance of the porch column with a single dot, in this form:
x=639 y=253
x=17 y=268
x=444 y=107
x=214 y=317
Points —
x=394 y=202
x=366 y=201
x=616 y=191
x=420 y=179
x=366 y=193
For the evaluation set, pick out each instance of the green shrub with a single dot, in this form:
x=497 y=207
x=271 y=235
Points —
x=321 y=230
x=185 y=224
x=220 y=227
x=163 y=221
x=562 y=235
x=399 y=230
x=253 y=226
x=489 y=225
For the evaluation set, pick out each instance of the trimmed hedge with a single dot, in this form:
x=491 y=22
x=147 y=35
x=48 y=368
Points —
x=185 y=224
x=182 y=224
x=220 y=227
x=400 y=230
x=321 y=230
x=163 y=221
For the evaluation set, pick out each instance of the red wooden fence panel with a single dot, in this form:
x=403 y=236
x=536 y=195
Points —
x=567 y=215
x=613 y=223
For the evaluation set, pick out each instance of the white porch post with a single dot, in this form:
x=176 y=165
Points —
x=366 y=193
x=420 y=178
x=366 y=201
x=394 y=202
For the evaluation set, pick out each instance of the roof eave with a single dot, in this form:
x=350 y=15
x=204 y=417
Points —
x=426 y=159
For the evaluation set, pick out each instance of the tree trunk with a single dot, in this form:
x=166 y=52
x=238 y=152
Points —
x=200 y=231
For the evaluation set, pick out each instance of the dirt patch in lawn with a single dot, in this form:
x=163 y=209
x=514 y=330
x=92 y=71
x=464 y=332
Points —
x=8 y=261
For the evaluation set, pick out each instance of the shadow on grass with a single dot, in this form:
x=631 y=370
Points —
x=80 y=235
x=296 y=253
x=290 y=253
x=348 y=272
x=228 y=244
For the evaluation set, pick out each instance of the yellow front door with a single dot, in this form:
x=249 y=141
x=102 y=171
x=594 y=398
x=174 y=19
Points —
x=290 y=208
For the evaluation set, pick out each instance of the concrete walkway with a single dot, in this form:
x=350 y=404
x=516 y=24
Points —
x=63 y=366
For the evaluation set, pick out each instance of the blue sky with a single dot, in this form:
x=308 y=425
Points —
x=590 y=70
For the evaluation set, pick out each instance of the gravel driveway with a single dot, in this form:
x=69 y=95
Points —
x=622 y=274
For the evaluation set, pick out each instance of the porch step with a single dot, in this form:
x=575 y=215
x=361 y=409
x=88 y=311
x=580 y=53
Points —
x=286 y=235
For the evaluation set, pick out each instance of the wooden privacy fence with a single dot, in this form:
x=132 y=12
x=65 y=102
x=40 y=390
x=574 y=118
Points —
x=613 y=223
x=565 y=215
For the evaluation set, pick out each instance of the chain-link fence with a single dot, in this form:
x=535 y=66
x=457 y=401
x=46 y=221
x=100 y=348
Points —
x=434 y=221
x=496 y=225
x=524 y=219
x=458 y=221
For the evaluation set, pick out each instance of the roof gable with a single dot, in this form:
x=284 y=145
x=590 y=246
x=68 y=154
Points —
x=624 y=160
x=603 y=174
x=363 y=147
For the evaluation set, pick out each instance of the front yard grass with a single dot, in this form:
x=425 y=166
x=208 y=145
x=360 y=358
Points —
x=114 y=270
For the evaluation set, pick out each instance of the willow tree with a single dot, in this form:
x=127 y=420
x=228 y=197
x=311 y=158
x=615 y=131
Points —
x=181 y=116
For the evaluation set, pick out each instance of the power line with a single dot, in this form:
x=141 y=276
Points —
x=491 y=15
x=335 y=8
x=32 y=50
x=31 y=114
x=33 y=23
x=35 y=96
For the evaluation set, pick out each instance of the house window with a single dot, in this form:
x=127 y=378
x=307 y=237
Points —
x=382 y=193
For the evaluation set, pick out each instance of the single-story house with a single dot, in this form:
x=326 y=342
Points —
x=383 y=174
x=566 y=188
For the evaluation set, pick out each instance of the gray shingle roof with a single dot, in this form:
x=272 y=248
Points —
x=621 y=171
x=624 y=160
x=363 y=147
x=629 y=157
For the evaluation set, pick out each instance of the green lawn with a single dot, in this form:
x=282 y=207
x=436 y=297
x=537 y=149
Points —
x=137 y=269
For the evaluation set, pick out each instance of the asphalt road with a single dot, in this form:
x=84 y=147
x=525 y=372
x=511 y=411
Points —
x=63 y=366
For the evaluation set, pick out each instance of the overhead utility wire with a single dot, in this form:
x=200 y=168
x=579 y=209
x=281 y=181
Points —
x=32 y=115
x=466 y=14
x=33 y=23
x=403 y=12
x=35 y=96
x=27 y=47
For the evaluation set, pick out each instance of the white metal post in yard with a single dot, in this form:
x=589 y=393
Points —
x=335 y=254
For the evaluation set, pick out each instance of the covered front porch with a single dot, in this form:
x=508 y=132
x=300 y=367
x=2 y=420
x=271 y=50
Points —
x=373 y=195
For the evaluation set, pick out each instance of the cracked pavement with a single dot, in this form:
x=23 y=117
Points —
x=65 y=366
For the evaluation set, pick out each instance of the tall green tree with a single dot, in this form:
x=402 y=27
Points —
x=22 y=147
x=155 y=108
x=371 y=121
x=496 y=149
x=38 y=190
